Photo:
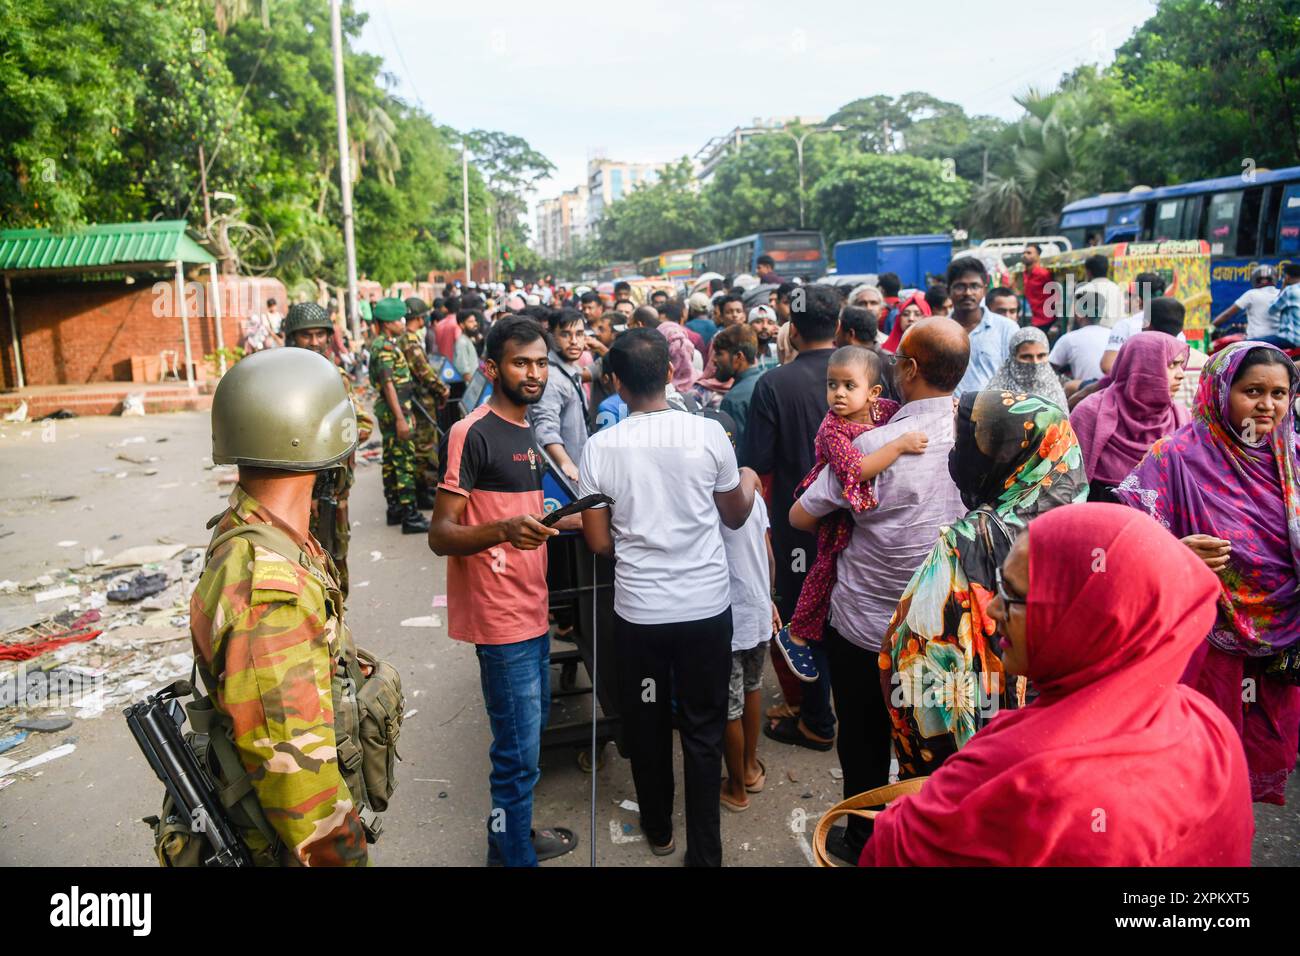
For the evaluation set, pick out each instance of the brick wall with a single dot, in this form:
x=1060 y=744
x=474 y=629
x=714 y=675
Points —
x=73 y=333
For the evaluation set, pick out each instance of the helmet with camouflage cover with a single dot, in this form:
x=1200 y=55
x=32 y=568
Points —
x=283 y=408
x=416 y=308
x=305 y=315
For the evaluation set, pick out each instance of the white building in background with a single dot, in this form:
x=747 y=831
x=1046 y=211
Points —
x=561 y=223
x=712 y=153
x=609 y=181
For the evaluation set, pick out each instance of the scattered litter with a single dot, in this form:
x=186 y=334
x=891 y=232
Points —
x=376 y=556
x=631 y=806
x=132 y=405
x=431 y=620
x=133 y=440
x=120 y=474
x=5 y=764
x=60 y=751
x=442 y=794
x=439 y=600
x=68 y=544
x=618 y=836
x=5 y=781
x=6 y=585
x=359 y=584
x=169 y=484
x=12 y=741
x=431 y=780
x=410 y=713
x=805 y=796
x=137 y=461
x=141 y=586
x=67 y=497
x=19 y=414
x=53 y=594
x=92 y=556
x=789 y=775
x=144 y=554
x=60 y=414
x=44 y=725
x=837 y=773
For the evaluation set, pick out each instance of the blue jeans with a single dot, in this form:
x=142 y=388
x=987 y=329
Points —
x=1278 y=341
x=516 y=683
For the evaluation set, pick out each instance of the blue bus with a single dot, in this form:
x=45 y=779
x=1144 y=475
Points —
x=1248 y=220
x=797 y=252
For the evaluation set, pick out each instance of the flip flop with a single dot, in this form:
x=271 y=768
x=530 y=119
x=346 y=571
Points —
x=786 y=731
x=757 y=785
x=553 y=842
x=800 y=658
x=731 y=804
x=777 y=711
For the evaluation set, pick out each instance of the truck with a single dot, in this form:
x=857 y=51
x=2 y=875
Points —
x=915 y=259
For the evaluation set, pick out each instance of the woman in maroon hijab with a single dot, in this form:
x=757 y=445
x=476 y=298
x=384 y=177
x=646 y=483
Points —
x=1134 y=408
x=1115 y=763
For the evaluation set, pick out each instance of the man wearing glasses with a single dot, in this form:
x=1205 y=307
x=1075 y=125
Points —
x=916 y=496
x=989 y=333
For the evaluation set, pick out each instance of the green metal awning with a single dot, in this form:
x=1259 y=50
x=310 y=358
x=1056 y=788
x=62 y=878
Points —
x=122 y=245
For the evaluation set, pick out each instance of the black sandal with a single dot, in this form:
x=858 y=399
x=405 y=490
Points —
x=553 y=842
x=786 y=731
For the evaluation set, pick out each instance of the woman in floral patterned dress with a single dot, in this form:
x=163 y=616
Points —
x=1015 y=457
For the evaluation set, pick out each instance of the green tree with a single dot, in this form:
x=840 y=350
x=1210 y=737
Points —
x=869 y=195
x=510 y=168
x=757 y=188
x=666 y=214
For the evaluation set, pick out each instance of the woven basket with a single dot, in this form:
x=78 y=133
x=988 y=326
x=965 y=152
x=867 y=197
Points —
x=866 y=805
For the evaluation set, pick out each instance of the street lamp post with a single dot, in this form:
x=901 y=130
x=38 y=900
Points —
x=798 y=148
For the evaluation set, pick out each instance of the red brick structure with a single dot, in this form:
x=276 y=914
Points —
x=78 y=332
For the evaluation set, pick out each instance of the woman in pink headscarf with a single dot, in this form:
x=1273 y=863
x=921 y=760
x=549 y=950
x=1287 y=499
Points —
x=1115 y=763
x=1133 y=409
x=681 y=353
x=909 y=311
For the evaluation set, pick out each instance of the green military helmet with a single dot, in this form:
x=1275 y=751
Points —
x=283 y=408
x=305 y=315
x=416 y=308
x=389 y=310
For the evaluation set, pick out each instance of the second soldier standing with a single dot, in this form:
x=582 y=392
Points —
x=431 y=394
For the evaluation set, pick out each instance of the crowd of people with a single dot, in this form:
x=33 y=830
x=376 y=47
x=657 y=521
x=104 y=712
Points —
x=976 y=541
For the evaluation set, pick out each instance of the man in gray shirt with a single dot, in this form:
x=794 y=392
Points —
x=560 y=417
x=916 y=497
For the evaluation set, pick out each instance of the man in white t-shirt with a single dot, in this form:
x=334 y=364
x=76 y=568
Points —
x=1255 y=302
x=674 y=481
x=1078 y=353
x=1098 y=270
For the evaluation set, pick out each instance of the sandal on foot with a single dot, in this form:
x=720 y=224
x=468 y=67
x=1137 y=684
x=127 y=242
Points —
x=666 y=850
x=731 y=804
x=777 y=711
x=757 y=785
x=787 y=731
x=553 y=842
x=799 y=657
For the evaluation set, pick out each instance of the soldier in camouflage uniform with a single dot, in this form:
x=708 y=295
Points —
x=431 y=393
x=391 y=376
x=308 y=326
x=268 y=632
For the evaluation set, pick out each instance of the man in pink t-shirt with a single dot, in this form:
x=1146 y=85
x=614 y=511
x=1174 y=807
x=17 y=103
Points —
x=487 y=522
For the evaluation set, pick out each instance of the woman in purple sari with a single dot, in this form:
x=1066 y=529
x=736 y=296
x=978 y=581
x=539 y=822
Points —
x=1228 y=485
x=1134 y=407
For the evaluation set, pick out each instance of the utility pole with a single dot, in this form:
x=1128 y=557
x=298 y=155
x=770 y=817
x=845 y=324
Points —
x=464 y=180
x=345 y=169
x=203 y=184
x=798 y=147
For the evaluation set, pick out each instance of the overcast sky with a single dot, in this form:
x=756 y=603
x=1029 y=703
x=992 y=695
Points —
x=652 y=81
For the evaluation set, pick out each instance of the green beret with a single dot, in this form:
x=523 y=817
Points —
x=390 y=310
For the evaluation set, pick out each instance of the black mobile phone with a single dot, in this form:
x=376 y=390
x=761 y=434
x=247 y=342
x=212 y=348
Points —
x=582 y=504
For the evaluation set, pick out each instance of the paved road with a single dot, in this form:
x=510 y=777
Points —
x=85 y=809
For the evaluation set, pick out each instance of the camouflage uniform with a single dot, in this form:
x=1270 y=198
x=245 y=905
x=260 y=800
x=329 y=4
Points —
x=267 y=635
x=336 y=484
x=431 y=393
x=388 y=363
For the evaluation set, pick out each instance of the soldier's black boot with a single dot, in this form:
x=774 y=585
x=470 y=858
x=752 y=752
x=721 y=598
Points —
x=414 y=523
x=396 y=513
x=424 y=500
